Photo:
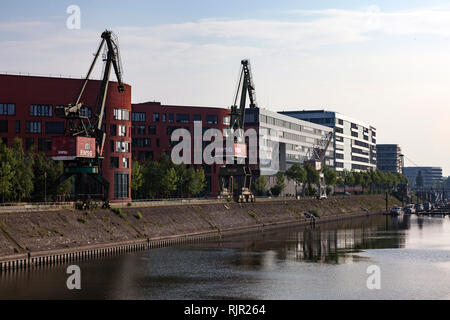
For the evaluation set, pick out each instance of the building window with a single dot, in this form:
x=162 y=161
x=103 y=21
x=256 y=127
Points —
x=151 y=129
x=141 y=130
x=164 y=117
x=4 y=126
x=121 y=114
x=125 y=162
x=122 y=146
x=40 y=110
x=226 y=120
x=197 y=117
x=122 y=130
x=211 y=119
x=17 y=126
x=33 y=127
x=171 y=117
x=44 y=144
x=54 y=127
x=120 y=185
x=156 y=117
x=112 y=145
x=157 y=143
x=114 y=162
x=113 y=130
x=138 y=116
x=182 y=118
x=354 y=134
x=7 y=109
x=141 y=142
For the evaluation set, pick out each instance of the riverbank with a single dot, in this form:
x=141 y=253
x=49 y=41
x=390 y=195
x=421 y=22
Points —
x=30 y=236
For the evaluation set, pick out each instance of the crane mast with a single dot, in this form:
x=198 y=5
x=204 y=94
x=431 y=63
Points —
x=316 y=158
x=82 y=133
x=235 y=179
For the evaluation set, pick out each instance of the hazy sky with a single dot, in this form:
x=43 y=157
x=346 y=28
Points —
x=384 y=62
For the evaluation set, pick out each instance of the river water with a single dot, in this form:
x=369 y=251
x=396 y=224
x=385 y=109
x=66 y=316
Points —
x=411 y=255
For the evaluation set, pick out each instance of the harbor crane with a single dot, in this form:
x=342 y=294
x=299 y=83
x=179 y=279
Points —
x=236 y=178
x=316 y=158
x=81 y=148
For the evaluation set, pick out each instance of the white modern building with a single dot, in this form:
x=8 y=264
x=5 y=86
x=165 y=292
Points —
x=354 y=142
x=292 y=138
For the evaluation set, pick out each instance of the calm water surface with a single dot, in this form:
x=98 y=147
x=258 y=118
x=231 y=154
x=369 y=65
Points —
x=326 y=262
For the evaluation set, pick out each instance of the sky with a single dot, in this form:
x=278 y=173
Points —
x=386 y=63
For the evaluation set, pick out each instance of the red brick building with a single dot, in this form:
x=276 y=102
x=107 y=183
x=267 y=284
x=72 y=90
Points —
x=139 y=131
x=27 y=110
x=153 y=124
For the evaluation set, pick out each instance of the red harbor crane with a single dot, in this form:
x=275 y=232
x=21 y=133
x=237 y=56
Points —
x=236 y=178
x=81 y=148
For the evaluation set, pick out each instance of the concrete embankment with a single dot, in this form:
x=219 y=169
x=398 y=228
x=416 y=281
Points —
x=37 y=238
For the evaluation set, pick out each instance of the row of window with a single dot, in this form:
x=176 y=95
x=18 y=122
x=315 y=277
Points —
x=357 y=150
x=51 y=127
x=360 y=159
x=141 y=130
x=179 y=118
x=288 y=125
x=121 y=114
x=41 y=110
x=7 y=109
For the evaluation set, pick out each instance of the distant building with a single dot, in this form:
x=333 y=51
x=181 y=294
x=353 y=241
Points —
x=389 y=158
x=354 y=141
x=431 y=175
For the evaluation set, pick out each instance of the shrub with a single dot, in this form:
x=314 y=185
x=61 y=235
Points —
x=82 y=220
x=138 y=215
x=119 y=212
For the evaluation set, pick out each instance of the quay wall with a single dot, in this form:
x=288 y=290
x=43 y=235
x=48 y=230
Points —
x=45 y=237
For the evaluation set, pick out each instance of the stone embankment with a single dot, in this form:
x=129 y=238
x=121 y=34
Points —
x=36 y=238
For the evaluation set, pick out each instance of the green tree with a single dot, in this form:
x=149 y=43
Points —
x=169 y=182
x=312 y=177
x=153 y=175
x=260 y=185
x=297 y=174
x=357 y=176
x=197 y=181
x=329 y=175
x=137 y=177
x=366 y=179
x=6 y=175
x=22 y=181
